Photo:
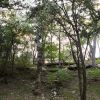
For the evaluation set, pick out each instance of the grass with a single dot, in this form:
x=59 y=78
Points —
x=94 y=88
x=93 y=91
x=94 y=73
x=21 y=88
x=98 y=61
x=61 y=76
x=68 y=95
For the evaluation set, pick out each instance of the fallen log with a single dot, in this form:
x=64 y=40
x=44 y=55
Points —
x=57 y=64
x=76 y=68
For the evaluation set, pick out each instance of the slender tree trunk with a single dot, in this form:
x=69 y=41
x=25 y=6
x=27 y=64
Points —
x=77 y=61
x=13 y=61
x=59 y=51
x=12 y=53
x=5 y=62
x=94 y=51
x=40 y=60
x=33 y=56
x=98 y=46
x=83 y=95
x=82 y=67
x=51 y=49
x=33 y=50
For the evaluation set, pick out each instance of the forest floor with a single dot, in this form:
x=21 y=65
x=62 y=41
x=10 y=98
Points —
x=20 y=87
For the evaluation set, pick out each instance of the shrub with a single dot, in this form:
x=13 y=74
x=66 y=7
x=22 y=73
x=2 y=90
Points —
x=59 y=77
x=63 y=75
x=95 y=73
x=98 y=60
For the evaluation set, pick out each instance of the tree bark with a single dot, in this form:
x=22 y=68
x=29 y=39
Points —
x=93 y=51
x=59 y=50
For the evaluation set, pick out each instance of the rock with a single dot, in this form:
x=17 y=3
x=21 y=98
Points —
x=73 y=92
x=72 y=67
x=36 y=92
x=98 y=65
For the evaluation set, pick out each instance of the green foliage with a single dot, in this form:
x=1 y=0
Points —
x=24 y=60
x=51 y=50
x=95 y=73
x=60 y=76
x=52 y=8
x=94 y=88
x=51 y=78
x=4 y=3
x=63 y=75
x=98 y=61
x=8 y=36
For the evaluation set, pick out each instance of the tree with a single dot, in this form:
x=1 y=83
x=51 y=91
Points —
x=71 y=17
x=8 y=44
x=40 y=27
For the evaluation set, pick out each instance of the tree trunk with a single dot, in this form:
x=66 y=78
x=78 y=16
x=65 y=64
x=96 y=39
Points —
x=77 y=61
x=59 y=51
x=40 y=60
x=93 y=51
x=13 y=61
x=83 y=70
x=51 y=49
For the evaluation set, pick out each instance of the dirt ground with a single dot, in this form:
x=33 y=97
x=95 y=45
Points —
x=20 y=88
